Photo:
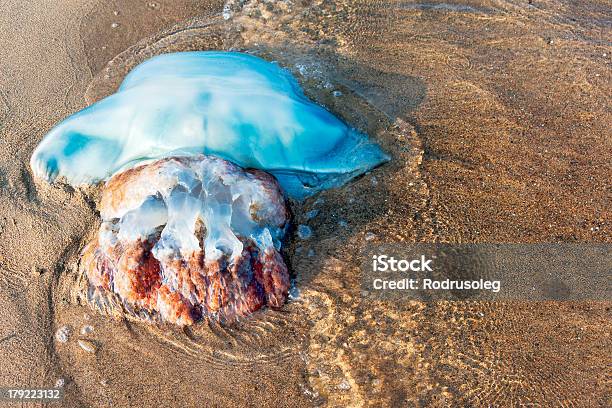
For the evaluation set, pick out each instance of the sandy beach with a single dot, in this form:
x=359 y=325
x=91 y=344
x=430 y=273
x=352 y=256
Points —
x=496 y=114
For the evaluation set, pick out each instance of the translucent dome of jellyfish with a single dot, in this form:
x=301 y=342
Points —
x=227 y=104
x=187 y=237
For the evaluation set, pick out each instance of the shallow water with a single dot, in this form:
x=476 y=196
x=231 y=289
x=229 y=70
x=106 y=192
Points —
x=494 y=113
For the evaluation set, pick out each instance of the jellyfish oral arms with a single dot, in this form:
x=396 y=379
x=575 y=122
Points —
x=200 y=241
x=231 y=105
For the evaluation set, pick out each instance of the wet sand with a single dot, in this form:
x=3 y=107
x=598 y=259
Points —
x=497 y=115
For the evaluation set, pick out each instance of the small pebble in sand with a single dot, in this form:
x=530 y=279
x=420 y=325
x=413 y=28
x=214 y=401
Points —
x=336 y=94
x=116 y=12
x=344 y=385
x=114 y=25
x=60 y=383
x=227 y=12
x=87 y=329
x=63 y=334
x=304 y=231
x=311 y=214
x=153 y=5
x=294 y=292
x=369 y=236
x=86 y=345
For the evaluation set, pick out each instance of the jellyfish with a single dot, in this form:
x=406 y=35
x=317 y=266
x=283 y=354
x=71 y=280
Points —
x=196 y=154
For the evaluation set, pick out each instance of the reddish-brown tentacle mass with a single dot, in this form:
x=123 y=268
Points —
x=185 y=238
